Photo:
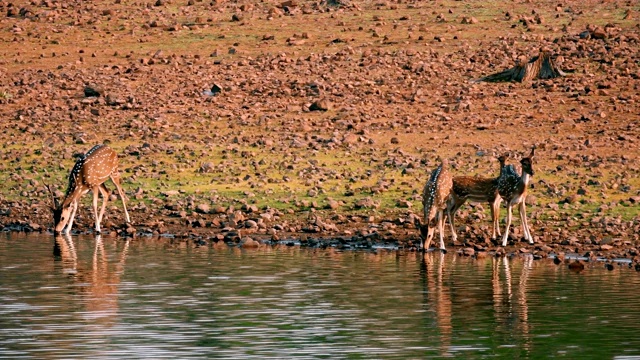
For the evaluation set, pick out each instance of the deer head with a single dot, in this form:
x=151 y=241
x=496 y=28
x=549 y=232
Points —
x=61 y=216
x=424 y=229
x=503 y=159
x=527 y=162
x=60 y=211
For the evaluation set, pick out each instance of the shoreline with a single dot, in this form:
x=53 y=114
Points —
x=607 y=250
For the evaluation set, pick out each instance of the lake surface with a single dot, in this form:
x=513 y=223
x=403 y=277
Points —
x=87 y=297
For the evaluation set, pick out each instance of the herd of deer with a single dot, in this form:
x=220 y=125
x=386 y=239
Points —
x=444 y=195
x=441 y=194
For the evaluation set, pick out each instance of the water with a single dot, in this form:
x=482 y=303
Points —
x=162 y=298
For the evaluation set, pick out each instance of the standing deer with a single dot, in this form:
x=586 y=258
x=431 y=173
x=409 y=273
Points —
x=513 y=189
x=435 y=196
x=88 y=174
x=477 y=189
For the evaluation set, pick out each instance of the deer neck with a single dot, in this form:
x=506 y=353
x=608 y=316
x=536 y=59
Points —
x=525 y=179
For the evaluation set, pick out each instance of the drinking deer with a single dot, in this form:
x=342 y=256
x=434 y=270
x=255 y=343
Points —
x=513 y=189
x=477 y=189
x=435 y=196
x=88 y=174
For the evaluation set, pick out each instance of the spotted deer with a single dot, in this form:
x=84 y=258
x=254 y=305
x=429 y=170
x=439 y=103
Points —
x=435 y=196
x=88 y=174
x=477 y=189
x=513 y=189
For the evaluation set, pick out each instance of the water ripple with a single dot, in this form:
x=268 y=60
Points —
x=110 y=299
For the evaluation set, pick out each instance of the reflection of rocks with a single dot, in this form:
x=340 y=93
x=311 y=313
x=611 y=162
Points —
x=576 y=265
x=248 y=242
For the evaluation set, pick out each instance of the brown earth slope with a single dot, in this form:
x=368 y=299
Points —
x=323 y=117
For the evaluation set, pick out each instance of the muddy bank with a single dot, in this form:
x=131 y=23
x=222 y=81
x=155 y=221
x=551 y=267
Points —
x=250 y=230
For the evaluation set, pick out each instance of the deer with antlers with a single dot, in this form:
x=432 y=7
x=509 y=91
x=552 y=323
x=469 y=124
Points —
x=435 y=196
x=88 y=174
x=513 y=189
x=476 y=189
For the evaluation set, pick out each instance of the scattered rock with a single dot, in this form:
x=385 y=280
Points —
x=203 y=208
x=215 y=90
x=93 y=91
x=319 y=105
x=469 y=20
x=249 y=243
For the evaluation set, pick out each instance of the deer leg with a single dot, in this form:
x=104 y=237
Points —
x=506 y=230
x=441 y=228
x=95 y=208
x=452 y=207
x=495 y=216
x=525 y=225
x=498 y=203
x=74 y=208
x=105 y=199
x=116 y=180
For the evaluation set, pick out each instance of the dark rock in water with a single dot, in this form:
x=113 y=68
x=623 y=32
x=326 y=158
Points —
x=468 y=252
x=608 y=266
x=130 y=231
x=576 y=266
x=249 y=243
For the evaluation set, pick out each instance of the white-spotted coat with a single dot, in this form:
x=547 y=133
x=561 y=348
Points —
x=435 y=197
x=513 y=189
x=89 y=174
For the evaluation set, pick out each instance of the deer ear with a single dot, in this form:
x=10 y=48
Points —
x=532 y=151
x=416 y=222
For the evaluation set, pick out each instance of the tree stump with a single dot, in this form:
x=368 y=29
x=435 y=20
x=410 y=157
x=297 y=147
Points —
x=539 y=67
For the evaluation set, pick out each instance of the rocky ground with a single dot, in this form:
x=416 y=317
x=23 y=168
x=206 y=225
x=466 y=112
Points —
x=319 y=121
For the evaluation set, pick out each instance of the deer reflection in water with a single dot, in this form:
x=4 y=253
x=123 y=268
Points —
x=509 y=291
x=65 y=250
x=517 y=320
x=96 y=284
x=437 y=295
